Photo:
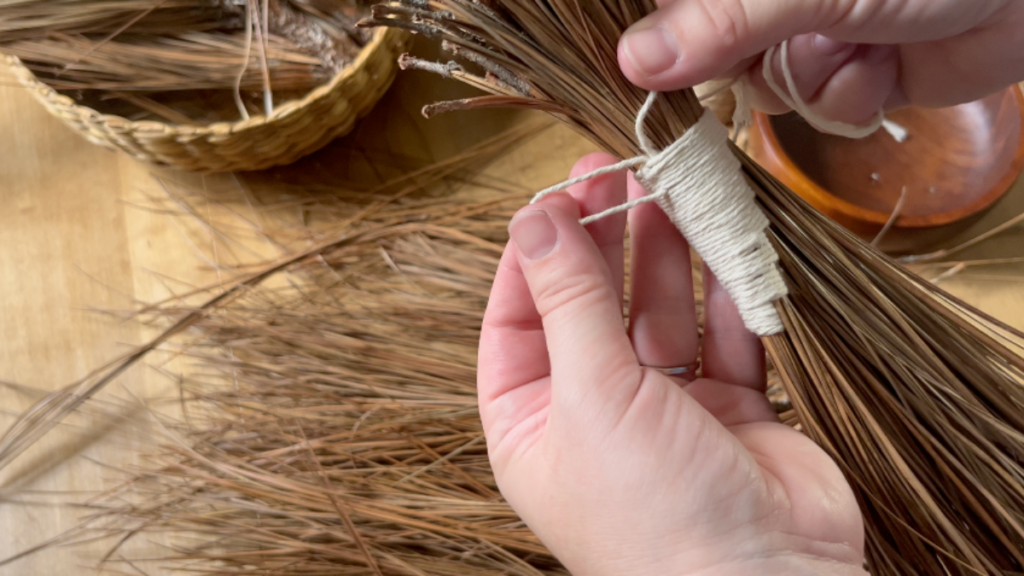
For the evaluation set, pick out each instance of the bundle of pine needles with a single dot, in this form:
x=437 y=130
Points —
x=918 y=396
x=183 y=61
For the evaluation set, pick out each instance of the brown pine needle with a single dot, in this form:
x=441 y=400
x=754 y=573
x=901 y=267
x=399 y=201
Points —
x=893 y=216
x=947 y=252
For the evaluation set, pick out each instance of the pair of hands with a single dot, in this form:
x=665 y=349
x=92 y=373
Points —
x=619 y=469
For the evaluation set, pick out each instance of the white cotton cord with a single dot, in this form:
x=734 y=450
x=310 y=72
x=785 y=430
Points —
x=641 y=121
x=630 y=163
x=625 y=206
x=645 y=145
x=791 y=97
x=699 y=184
x=743 y=117
x=898 y=133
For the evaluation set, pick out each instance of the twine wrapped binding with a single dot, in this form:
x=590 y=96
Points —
x=699 y=184
x=293 y=130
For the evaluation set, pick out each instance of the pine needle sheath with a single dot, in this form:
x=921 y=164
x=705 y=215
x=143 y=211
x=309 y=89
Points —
x=918 y=396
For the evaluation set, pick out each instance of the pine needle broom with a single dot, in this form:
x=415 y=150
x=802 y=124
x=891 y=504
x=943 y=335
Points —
x=917 y=395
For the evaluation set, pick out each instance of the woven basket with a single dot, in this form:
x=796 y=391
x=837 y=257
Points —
x=294 y=129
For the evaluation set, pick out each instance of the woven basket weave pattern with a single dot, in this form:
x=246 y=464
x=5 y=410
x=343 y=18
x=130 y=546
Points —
x=293 y=130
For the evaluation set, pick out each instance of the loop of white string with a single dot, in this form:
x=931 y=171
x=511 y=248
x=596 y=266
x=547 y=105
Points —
x=791 y=97
x=699 y=184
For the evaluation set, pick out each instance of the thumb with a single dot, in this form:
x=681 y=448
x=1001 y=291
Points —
x=687 y=42
x=591 y=358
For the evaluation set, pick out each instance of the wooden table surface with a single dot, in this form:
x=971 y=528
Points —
x=76 y=240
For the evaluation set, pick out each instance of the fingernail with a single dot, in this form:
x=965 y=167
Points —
x=534 y=234
x=651 y=50
x=826 y=46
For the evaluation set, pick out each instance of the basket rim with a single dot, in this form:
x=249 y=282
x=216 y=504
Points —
x=381 y=39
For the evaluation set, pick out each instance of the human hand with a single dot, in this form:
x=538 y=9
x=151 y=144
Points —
x=619 y=469
x=849 y=58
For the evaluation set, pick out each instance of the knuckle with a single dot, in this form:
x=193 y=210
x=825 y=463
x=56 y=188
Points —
x=570 y=292
x=853 y=14
x=729 y=20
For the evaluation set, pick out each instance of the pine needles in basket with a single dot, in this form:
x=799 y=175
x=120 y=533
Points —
x=183 y=61
x=918 y=396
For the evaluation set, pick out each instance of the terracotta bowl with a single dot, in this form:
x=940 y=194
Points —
x=955 y=163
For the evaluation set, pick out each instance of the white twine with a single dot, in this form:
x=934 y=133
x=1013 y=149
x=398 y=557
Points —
x=699 y=184
x=791 y=97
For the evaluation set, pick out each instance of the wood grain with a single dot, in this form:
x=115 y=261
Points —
x=76 y=239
